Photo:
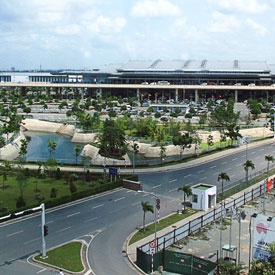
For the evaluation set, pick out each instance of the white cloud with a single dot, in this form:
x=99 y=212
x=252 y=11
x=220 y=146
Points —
x=158 y=8
x=107 y=25
x=261 y=30
x=224 y=23
x=244 y=6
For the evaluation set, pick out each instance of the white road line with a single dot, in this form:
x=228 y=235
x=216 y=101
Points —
x=203 y=178
x=119 y=199
x=71 y=215
x=200 y=171
x=42 y=270
x=189 y=175
x=135 y=203
x=261 y=149
x=170 y=181
x=252 y=153
x=227 y=169
x=94 y=207
x=234 y=159
x=15 y=233
x=225 y=162
x=91 y=219
x=33 y=240
x=156 y=186
x=212 y=167
x=64 y=229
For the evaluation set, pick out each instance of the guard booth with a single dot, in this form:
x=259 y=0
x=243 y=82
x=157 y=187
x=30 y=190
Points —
x=204 y=196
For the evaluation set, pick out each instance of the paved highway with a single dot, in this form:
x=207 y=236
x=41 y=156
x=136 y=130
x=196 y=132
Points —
x=111 y=217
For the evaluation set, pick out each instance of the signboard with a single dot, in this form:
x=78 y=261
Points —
x=263 y=235
x=113 y=171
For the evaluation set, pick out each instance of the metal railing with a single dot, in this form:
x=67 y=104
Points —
x=194 y=226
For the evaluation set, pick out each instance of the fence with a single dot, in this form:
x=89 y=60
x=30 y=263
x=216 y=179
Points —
x=193 y=226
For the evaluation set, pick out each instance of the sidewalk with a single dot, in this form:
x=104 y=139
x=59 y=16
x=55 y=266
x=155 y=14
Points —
x=208 y=249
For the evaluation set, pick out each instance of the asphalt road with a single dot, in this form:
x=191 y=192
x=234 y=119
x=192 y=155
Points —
x=111 y=217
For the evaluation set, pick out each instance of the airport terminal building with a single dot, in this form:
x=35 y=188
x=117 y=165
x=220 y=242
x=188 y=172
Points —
x=215 y=78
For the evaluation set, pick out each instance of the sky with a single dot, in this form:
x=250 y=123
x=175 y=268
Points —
x=88 y=34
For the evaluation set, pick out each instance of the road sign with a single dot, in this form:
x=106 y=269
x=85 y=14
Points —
x=113 y=171
x=152 y=244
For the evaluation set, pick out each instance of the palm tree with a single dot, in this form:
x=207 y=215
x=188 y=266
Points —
x=187 y=191
x=146 y=206
x=223 y=177
x=248 y=164
x=269 y=159
x=51 y=146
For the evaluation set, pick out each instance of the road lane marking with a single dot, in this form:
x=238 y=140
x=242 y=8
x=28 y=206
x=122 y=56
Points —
x=119 y=199
x=94 y=207
x=33 y=240
x=234 y=159
x=203 y=178
x=225 y=162
x=71 y=215
x=64 y=229
x=170 y=181
x=212 y=167
x=15 y=233
x=156 y=186
x=135 y=203
x=189 y=175
x=200 y=171
x=92 y=219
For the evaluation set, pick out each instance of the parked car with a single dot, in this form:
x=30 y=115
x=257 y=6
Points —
x=164 y=118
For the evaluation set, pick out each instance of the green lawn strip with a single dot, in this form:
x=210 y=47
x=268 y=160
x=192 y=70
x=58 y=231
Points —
x=163 y=223
x=66 y=257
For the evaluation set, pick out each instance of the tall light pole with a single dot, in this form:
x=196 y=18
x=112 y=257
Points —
x=250 y=239
x=157 y=207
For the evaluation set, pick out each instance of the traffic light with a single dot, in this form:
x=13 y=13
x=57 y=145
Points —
x=46 y=230
x=158 y=203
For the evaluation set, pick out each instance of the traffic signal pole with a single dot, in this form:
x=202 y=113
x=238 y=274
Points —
x=43 y=229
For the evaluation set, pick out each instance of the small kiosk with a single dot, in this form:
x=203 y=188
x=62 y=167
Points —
x=204 y=196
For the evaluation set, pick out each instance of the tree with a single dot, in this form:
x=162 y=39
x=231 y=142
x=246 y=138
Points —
x=187 y=191
x=210 y=141
x=232 y=131
x=184 y=141
x=146 y=207
x=248 y=165
x=269 y=159
x=51 y=147
x=4 y=171
x=112 y=140
x=23 y=149
x=77 y=151
x=223 y=177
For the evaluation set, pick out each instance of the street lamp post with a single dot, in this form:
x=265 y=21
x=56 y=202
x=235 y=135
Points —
x=250 y=239
x=157 y=206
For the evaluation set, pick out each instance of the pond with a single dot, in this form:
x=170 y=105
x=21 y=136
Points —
x=38 y=148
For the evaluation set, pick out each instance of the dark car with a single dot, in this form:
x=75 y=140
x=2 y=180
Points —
x=164 y=118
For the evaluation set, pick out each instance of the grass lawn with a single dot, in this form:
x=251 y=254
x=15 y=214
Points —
x=65 y=257
x=35 y=186
x=163 y=223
